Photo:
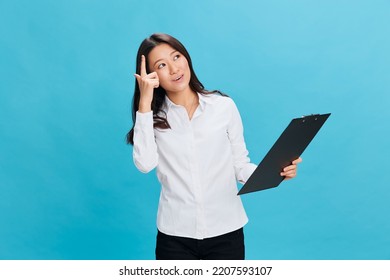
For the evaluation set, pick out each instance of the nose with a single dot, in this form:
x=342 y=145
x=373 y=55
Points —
x=173 y=68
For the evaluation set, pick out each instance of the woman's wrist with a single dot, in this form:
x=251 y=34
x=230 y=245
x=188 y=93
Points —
x=144 y=107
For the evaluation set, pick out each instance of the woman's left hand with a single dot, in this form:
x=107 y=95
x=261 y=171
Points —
x=290 y=171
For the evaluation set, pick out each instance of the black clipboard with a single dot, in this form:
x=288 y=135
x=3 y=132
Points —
x=289 y=146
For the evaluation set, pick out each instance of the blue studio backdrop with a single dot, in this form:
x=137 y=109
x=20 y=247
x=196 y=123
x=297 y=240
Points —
x=68 y=185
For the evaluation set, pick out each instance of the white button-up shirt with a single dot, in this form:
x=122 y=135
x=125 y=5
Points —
x=198 y=164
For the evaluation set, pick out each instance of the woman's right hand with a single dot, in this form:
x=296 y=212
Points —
x=147 y=83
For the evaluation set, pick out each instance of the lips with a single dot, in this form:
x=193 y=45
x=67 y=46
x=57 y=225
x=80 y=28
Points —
x=178 y=78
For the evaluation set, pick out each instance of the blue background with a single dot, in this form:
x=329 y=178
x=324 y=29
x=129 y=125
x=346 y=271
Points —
x=68 y=186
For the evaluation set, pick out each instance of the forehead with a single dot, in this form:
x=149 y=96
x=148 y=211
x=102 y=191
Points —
x=161 y=51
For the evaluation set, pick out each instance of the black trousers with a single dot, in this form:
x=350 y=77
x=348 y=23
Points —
x=229 y=246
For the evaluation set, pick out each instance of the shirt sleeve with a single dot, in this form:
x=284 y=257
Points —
x=145 y=154
x=242 y=166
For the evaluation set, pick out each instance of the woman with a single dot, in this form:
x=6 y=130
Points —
x=195 y=139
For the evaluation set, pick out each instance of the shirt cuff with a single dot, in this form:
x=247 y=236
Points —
x=143 y=119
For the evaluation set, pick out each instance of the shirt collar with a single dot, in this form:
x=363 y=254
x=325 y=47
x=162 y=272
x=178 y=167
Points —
x=203 y=100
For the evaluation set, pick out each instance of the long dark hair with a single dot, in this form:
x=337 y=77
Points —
x=159 y=116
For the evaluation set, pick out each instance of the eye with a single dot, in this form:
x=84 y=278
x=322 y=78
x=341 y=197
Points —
x=161 y=65
x=176 y=57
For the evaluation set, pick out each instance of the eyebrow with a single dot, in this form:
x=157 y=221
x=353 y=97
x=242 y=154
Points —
x=154 y=64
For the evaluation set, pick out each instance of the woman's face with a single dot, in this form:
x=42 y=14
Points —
x=171 y=67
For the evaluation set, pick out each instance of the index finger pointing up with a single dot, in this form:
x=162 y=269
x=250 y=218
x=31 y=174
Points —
x=143 y=66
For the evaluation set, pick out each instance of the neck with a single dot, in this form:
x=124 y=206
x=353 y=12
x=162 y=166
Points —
x=184 y=98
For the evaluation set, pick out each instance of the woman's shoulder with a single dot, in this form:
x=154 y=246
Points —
x=221 y=104
x=218 y=98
